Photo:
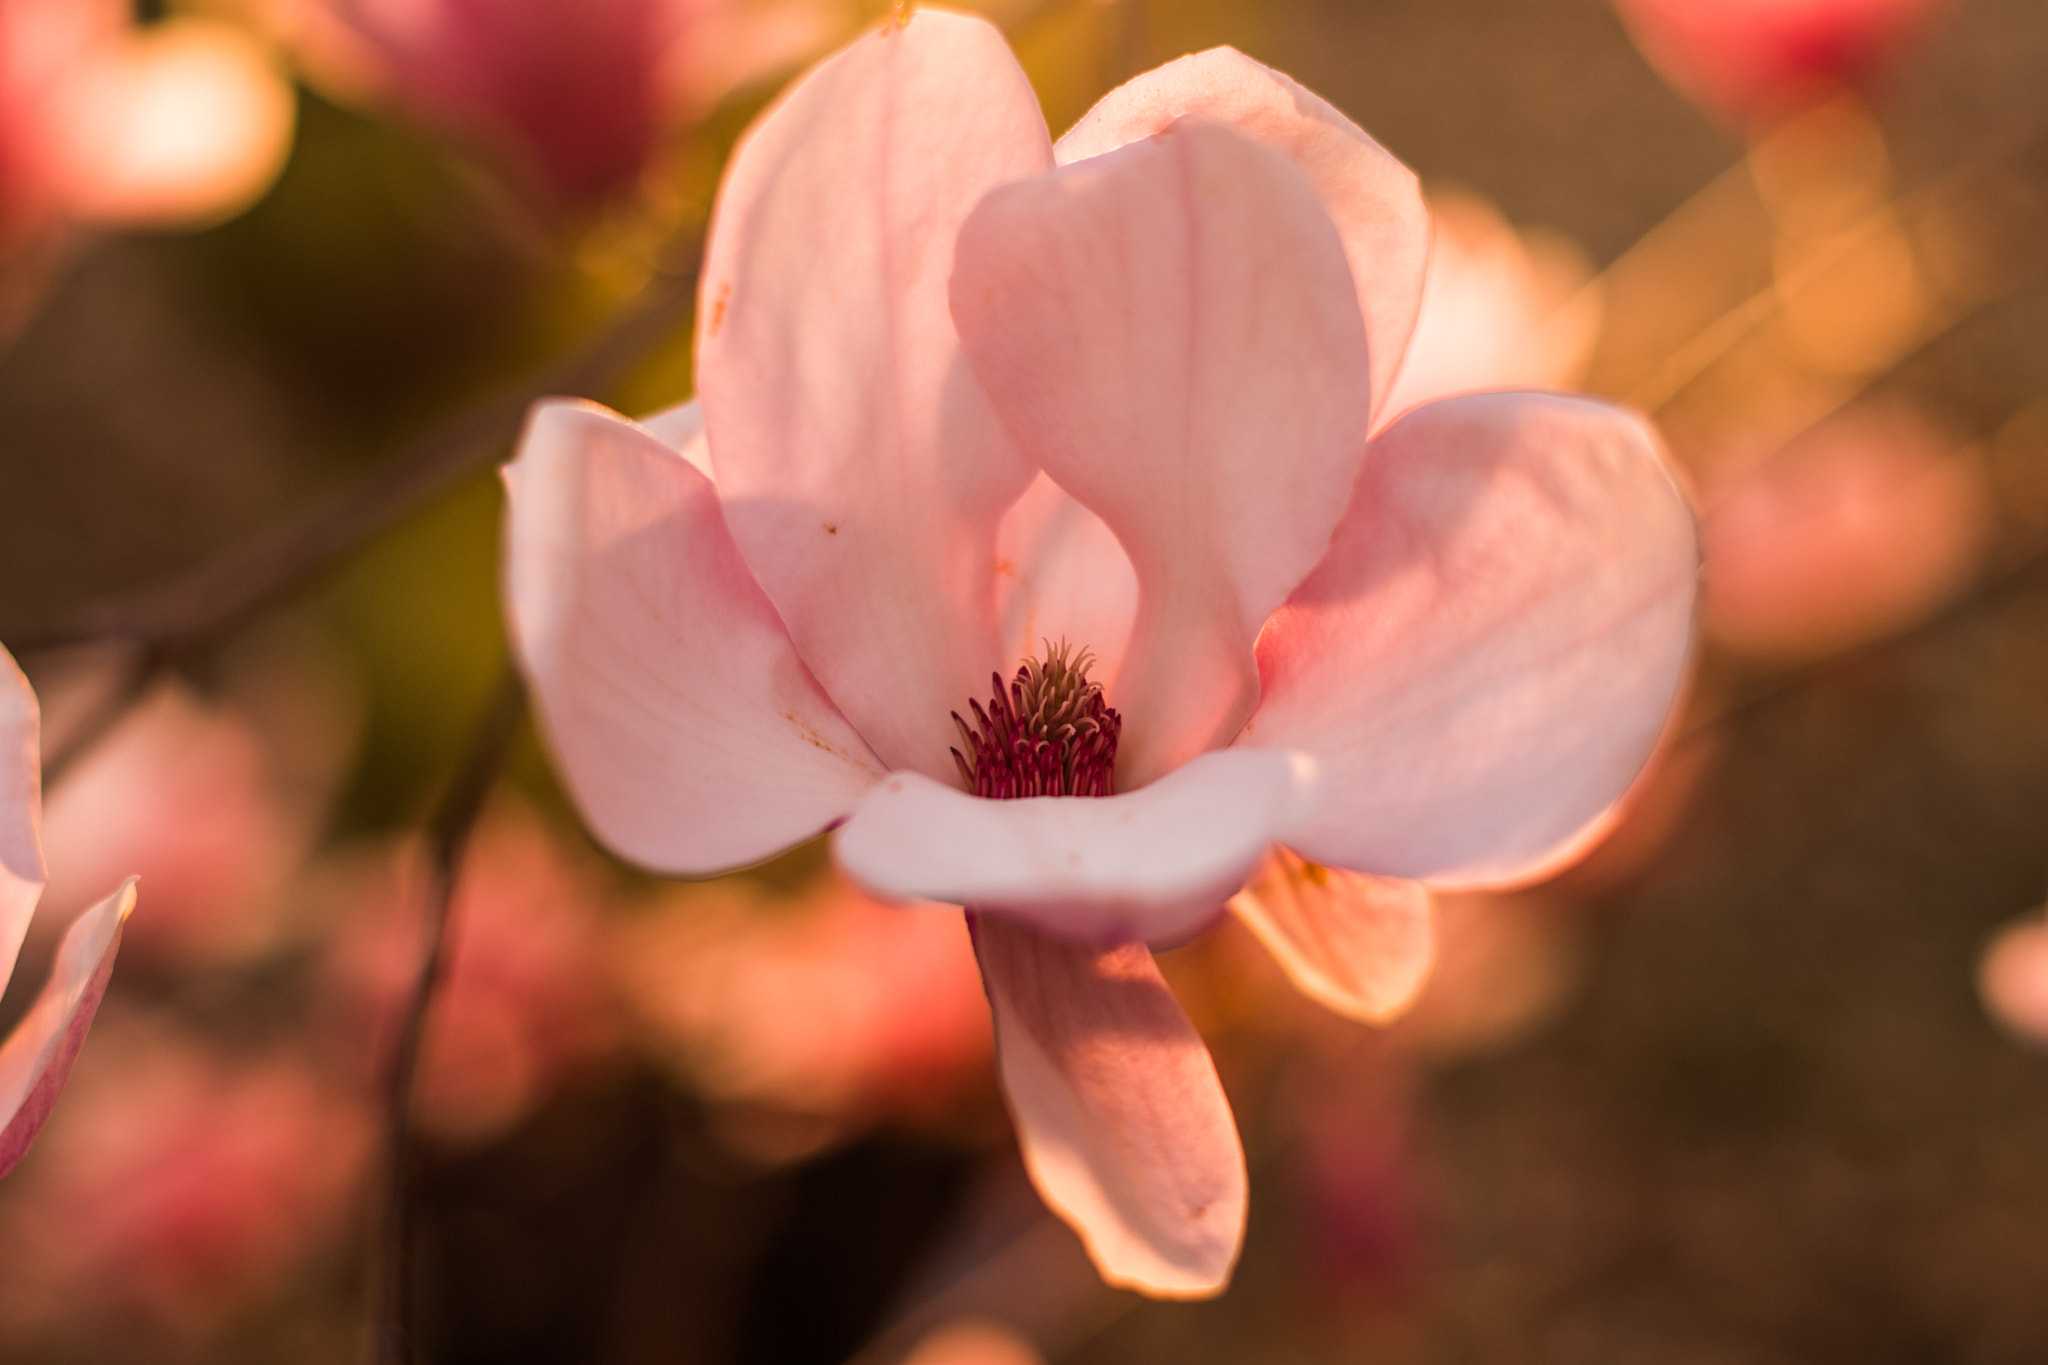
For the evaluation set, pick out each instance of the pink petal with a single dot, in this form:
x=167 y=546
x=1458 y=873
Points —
x=1487 y=656
x=1151 y=864
x=1360 y=945
x=36 y=1058
x=681 y=429
x=22 y=875
x=1123 y=1123
x=1062 y=576
x=1169 y=330
x=1499 y=310
x=1374 y=199
x=863 y=472
x=685 y=725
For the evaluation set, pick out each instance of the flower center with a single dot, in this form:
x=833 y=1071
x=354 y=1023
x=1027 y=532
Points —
x=1049 y=733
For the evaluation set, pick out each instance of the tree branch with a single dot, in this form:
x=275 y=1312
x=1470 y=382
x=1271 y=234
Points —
x=250 y=576
x=448 y=831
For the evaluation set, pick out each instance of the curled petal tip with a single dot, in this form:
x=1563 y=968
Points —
x=1360 y=946
x=35 y=1060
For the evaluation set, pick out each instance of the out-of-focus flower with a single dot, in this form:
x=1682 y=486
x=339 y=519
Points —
x=1504 y=968
x=1746 y=57
x=578 y=92
x=1500 y=309
x=973 y=1341
x=1355 y=1169
x=2012 y=979
x=37 y=1056
x=964 y=391
x=826 y=1005
x=179 y=122
x=523 y=1003
x=179 y=1183
x=185 y=795
x=1855 y=530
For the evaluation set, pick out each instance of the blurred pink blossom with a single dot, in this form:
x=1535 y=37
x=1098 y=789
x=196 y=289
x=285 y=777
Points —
x=1747 y=57
x=827 y=1004
x=578 y=92
x=104 y=122
x=2012 y=979
x=186 y=795
x=179 y=1182
x=1356 y=1163
x=1505 y=967
x=1858 y=528
x=1500 y=309
x=36 y=1057
x=973 y=1341
x=524 y=1002
x=1431 y=656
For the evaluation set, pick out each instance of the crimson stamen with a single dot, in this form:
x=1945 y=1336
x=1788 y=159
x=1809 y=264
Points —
x=1049 y=733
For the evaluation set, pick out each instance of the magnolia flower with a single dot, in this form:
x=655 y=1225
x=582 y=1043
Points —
x=37 y=1056
x=1740 y=57
x=965 y=391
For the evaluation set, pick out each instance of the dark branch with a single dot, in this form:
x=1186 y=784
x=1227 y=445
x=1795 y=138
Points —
x=138 y=673
x=227 y=591
x=448 y=831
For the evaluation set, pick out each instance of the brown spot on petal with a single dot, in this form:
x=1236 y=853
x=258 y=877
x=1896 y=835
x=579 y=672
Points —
x=718 y=310
x=831 y=528
x=809 y=733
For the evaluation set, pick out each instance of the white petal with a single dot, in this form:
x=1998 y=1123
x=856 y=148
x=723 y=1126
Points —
x=681 y=429
x=1151 y=864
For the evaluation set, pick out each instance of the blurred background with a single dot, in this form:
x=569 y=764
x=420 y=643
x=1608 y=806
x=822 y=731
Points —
x=1764 y=1079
